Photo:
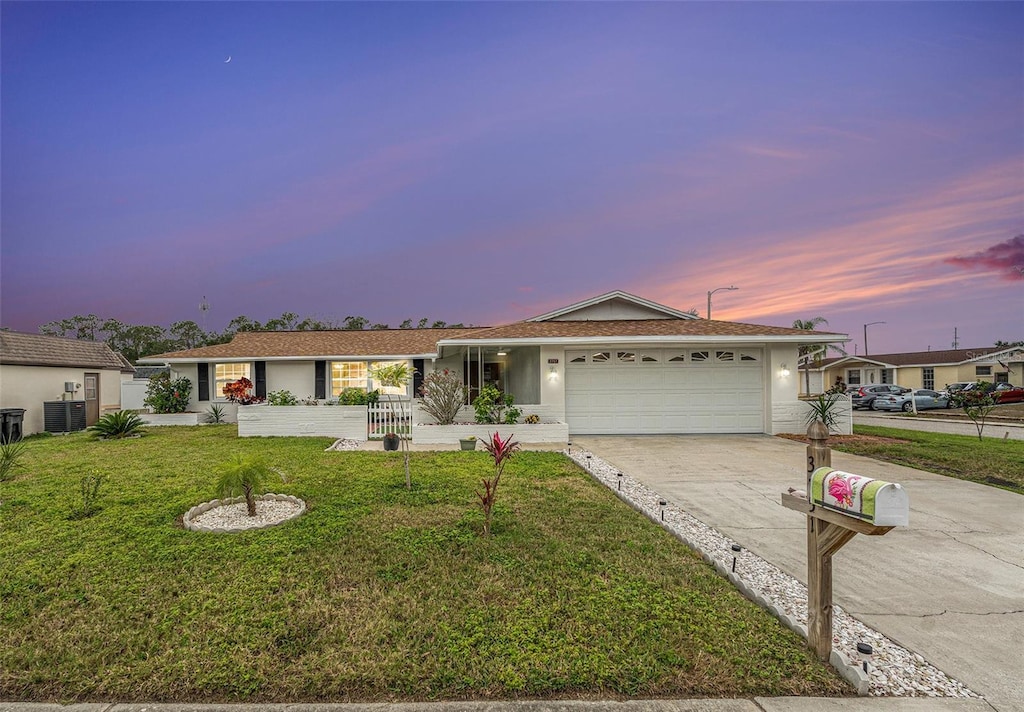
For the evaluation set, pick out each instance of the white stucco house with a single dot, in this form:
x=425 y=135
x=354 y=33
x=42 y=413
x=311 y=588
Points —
x=35 y=369
x=613 y=364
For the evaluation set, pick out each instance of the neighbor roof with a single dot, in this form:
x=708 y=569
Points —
x=18 y=349
x=383 y=343
x=617 y=295
x=919 y=358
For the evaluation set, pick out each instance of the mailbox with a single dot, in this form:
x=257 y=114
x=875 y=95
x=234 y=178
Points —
x=883 y=504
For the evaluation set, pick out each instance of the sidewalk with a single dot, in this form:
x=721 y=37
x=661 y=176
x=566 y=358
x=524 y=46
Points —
x=758 y=704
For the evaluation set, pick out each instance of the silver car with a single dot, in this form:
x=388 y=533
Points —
x=924 y=398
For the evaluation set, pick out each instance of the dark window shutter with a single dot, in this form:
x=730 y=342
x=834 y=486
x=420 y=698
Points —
x=320 y=380
x=204 y=382
x=261 y=379
x=417 y=377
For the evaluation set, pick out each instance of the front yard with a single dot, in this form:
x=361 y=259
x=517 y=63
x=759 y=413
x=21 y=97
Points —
x=376 y=593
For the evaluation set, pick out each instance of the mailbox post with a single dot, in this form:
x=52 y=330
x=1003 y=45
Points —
x=840 y=505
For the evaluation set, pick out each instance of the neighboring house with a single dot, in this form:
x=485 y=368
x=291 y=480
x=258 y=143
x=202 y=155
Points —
x=615 y=364
x=35 y=368
x=925 y=369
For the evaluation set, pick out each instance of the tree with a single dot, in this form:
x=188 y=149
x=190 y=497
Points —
x=422 y=323
x=407 y=324
x=80 y=327
x=396 y=375
x=244 y=474
x=187 y=335
x=815 y=353
x=354 y=323
x=977 y=402
x=1008 y=344
x=439 y=325
x=379 y=327
x=285 y=322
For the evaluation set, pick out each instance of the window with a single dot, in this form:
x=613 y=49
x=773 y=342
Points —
x=225 y=373
x=347 y=374
x=853 y=377
x=678 y=358
x=928 y=378
x=982 y=370
x=601 y=357
x=649 y=357
x=626 y=356
x=579 y=359
x=699 y=356
x=725 y=356
x=744 y=356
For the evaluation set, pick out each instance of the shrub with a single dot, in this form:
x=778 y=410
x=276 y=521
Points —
x=823 y=408
x=166 y=396
x=977 y=403
x=216 y=413
x=443 y=394
x=501 y=451
x=532 y=419
x=243 y=474
x=282 y=398
x=120 y=424
x=492 y=406
x=89 y=492
x=240 y=392
x=10 y=454
x=357 y=396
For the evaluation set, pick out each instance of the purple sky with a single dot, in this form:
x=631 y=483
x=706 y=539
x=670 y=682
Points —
x=488 y=162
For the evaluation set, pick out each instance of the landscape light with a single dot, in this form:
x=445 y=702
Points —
x=864 y=651
x=662 y=503
x=736 y=549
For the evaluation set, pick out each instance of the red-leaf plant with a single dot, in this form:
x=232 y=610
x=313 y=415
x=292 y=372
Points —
x=240 y=392
x=501 y=451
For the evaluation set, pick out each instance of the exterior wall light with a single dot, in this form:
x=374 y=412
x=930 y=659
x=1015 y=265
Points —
x=784 y=371
x=553 y=373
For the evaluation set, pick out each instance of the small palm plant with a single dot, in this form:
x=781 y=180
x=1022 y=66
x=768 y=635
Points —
x=823 y=410
x=120 y=424
x=243 y=474
x=501 y=451
x=10 y=454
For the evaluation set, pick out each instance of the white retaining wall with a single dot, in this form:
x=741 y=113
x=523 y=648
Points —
x=524 y=433
x=335 y=421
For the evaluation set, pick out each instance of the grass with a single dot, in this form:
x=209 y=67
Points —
x=376 y=593
x=990 y=461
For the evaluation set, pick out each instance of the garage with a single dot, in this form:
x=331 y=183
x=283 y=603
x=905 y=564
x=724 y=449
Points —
x=685 y=390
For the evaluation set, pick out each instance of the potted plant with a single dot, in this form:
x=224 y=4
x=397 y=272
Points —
x=468 y=443
x=391 y=441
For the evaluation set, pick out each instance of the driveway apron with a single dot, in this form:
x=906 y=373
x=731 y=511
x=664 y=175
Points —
x=949 y=587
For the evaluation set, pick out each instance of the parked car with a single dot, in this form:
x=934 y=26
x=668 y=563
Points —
x=1008 y=393
x=925 y=399
x=864 y=396
x=952 y=388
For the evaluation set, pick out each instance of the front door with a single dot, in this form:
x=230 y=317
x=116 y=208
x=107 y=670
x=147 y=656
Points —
x=92 y=398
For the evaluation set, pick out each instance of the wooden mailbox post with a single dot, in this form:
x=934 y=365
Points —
x=839 y=506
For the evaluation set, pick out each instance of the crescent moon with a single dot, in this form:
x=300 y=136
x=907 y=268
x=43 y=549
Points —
x=228 y=59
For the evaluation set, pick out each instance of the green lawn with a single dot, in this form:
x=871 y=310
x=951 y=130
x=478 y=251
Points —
x=990 y=461
x=376 y=593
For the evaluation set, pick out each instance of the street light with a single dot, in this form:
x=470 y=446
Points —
x=727 y=289
x=870 y=323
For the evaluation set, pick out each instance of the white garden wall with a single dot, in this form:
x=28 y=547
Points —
x=344 y=421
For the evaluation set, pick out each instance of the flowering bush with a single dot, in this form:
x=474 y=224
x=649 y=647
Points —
x=443 y=394
x=357 y=396
x=166 y=396
x=240 y=392
x=282 y=398
x=493 y=406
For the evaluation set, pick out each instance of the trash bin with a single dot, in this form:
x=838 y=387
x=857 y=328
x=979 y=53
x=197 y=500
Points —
x=12 y=424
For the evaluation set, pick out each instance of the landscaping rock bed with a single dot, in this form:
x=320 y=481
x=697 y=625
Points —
x=231 y=515
x=894 y=671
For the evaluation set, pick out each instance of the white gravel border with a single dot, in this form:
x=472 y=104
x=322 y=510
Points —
x=226 y=516
x=893 y=672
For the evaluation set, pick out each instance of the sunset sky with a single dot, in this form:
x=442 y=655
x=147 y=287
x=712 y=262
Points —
x=486 y=162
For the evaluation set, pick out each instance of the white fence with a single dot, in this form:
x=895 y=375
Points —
x=391 y=414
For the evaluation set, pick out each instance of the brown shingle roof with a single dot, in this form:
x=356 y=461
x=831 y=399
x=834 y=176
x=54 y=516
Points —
x=21 y=349
x=639 y=328
x=918 y=358
x=321 y=344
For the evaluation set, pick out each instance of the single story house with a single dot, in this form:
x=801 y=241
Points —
x=923 y=369
x=36 y=368
x=613 y=364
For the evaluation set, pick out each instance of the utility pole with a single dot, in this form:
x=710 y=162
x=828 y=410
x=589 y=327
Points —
x=956 y=339
x=872 y=323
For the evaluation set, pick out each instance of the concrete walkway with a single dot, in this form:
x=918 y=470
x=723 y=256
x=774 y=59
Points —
x=950 y=586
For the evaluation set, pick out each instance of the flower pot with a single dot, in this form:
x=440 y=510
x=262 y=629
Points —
x=391 y=441
x=468 y=444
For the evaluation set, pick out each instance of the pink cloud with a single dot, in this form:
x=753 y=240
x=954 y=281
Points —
x=1006 y=257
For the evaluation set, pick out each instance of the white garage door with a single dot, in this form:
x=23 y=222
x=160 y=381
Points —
x=708 y=390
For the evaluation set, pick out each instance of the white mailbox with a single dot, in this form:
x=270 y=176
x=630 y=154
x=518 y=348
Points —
x=883 y=504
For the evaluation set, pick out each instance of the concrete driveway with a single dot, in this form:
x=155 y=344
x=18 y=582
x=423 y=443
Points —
x=950 y=586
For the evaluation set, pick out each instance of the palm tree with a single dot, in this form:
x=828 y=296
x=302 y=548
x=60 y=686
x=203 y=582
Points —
x=815 y=352
x=243 y=474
